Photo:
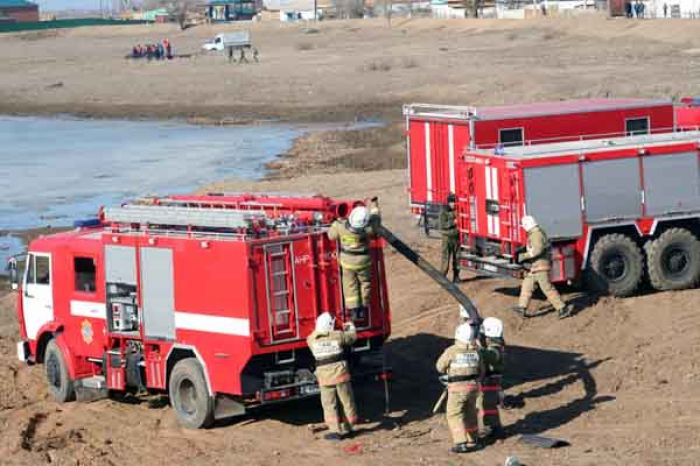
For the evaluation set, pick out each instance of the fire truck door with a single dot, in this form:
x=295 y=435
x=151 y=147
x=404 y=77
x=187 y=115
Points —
x=37 y=297
x=157 y=293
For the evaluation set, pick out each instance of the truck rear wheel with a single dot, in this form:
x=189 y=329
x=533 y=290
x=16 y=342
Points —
x=59 y=383
x=616 y=266
x=189 y=395
x=673 y=260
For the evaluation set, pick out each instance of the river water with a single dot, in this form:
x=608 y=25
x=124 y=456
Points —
x=54 y=170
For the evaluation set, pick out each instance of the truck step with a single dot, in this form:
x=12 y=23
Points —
x=91 y=389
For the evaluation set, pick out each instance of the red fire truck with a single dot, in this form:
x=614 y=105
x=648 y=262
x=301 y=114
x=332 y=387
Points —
x=613 y=208
x=437 y=136
x=208 y=298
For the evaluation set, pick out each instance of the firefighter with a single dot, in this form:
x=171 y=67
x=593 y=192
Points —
x=332 y=373
x=537 y=256
x=450 y=239
x=354 y=234
x=490 y=390
x=463 y=364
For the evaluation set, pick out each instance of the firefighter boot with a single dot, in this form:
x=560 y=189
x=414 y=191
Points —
x=566 y=311
x=460 y=448
x=520 y=310
x=333 y=436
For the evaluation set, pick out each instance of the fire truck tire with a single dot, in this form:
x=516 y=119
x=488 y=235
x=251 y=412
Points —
x=189 y=395
x=59 y=383
x=673 y=260
x=616 y=266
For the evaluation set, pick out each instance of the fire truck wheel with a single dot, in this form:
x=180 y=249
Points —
x=189 y=395
x=673 y=260
x=59 y=382
x=616 y=266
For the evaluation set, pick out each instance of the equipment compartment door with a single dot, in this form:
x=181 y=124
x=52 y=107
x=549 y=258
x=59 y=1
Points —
x=37 y=297
x=280 y=284
x=158 y=293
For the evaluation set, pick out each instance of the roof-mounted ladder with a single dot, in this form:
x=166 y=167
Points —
x=181 y=216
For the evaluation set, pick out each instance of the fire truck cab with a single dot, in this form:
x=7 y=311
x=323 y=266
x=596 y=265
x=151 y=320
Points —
x=206 y=298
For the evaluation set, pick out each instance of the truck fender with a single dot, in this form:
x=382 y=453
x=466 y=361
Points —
x=45 y=333
x=67 y=355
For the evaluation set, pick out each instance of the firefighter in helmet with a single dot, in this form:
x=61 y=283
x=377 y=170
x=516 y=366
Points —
x=537 y=257
x=464 y=366
x=450 y=239
x=354 y=235
x=328 y=347
x=490 y=390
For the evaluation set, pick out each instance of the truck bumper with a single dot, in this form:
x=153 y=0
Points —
x=23 y=353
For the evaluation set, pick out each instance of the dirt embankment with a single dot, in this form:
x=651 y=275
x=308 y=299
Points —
x=618 y=381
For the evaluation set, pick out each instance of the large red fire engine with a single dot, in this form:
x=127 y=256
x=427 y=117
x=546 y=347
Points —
x=437 y=136
x=611 y=207
x=209 y=298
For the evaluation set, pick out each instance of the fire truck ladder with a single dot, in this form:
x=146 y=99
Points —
x=181 y=216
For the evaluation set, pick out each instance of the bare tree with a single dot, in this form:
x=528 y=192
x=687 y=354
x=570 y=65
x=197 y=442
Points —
x=178 y=9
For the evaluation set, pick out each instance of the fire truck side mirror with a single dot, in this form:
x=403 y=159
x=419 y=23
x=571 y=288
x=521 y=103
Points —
x=14 y=274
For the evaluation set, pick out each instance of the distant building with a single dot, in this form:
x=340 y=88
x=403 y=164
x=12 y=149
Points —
x=232 y=10
x=295 y=10
x=18 y=11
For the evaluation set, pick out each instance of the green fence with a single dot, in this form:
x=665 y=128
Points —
x=64 y=23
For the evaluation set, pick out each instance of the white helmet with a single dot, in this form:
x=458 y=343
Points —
x=464 y=333
x=493 y=328
x=463 y=312
x=325 y=323
x=359 y=217
x=528 y=222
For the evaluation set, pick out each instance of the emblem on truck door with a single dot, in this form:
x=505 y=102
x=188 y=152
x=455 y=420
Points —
x=86 y=331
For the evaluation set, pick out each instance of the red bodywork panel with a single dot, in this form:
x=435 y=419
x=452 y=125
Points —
x=437 y=136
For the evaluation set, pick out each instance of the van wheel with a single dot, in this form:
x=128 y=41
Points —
x=616 y=266
x=59 y=383
x=189 y=395
x=673 y=260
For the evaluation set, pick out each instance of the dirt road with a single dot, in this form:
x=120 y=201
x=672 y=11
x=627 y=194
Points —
x=618 y=381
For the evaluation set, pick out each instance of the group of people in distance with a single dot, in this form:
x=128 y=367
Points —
x=158 y=51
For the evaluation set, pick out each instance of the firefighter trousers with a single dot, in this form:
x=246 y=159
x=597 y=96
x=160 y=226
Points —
x=329 y=401
x=462 y=415
x=357 y=287
x=489 y=401
x=540 y=279
x=450 y=255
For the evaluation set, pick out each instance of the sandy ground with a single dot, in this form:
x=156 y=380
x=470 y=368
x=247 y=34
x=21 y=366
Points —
x=348 y=68
x=618 y=381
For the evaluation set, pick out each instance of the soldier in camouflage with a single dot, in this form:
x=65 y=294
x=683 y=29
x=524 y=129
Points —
x=537 y=256
x=463 y=363
x=450 y=239
x=328 y=347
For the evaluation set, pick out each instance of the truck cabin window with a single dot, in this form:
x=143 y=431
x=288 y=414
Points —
x=635 y=126
x=511 y=137
x=85 y=273
x=39 y=270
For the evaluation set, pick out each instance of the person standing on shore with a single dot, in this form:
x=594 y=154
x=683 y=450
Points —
x=450 y=239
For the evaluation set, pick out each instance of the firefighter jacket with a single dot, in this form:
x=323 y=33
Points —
x=494 y=356
x=329 y=350
x=537 y=250
x=464 y=366
x=448 y=222
x=354 y=244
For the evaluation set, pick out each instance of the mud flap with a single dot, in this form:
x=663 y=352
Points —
x=540 y=441
x=226 y=407
x=91 y=389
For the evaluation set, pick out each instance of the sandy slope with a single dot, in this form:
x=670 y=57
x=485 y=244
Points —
x=618 y=381
x=348 y=67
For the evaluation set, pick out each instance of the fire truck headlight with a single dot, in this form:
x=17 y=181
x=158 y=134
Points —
x=204 y=244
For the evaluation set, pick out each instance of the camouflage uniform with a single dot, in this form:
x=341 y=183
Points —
x=333 y=375
x=450 y=242
x=538 y=255
x=491 y=385
x=355 y=260
x=464 y=366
